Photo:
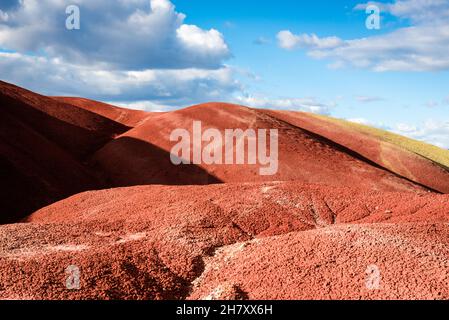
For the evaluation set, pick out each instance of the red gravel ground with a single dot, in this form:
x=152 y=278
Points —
x=342 y=213
x=282 y=240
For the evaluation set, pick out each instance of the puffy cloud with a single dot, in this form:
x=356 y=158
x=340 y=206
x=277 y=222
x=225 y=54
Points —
x=137 y=34
x=130 y=51
x=288 y=40
x=421 y=47
x=175 y=87
x=197 y=39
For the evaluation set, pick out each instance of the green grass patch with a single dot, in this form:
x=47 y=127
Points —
x=434 y=153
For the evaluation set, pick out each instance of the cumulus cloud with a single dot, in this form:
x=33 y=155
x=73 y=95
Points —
x=175 y=87
x=293 y=104
x=420 y=47
x=137 y=34
x=131 y=51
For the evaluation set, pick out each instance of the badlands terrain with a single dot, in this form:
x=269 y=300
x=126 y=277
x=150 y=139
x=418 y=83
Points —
x=352 y=213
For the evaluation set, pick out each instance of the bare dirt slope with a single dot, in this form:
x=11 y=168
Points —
x=389 y=155
x=303 y=156
x=44 y=145
x=127 y=117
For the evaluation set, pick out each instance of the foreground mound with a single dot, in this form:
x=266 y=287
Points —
x=236 y=241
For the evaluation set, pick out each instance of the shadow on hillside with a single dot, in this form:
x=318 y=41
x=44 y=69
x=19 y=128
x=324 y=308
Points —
x=44 y=158
x=79 y=141
x=22 y=193
x=128 y=162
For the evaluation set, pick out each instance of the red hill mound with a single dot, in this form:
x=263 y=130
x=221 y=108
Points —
x=401 y=161
x=303 y=155
x=43 y=147
x=127 y=117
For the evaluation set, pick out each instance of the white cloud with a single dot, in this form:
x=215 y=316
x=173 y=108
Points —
x=176 y=87
x=294 y=104
x=138 y=34
x=142 y=105
x=431 y=131
x=126 y=50
x=416 y=10
x=289 y=41
x=198 y=40
x=366 y=122
x=421 y=47
x=3 y=16
x=360 y=121
x=368 y=99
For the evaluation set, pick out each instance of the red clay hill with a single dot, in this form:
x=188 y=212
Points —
x=341 y=205
x=303 y=155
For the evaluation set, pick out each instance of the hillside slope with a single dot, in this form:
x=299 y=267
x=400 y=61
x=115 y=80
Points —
x=303 y=156
x=406 y=157
x=44 y=145
x=127 y=117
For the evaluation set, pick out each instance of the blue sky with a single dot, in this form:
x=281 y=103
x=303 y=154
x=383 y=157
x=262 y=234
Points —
x=299 y=55
x=397 y=96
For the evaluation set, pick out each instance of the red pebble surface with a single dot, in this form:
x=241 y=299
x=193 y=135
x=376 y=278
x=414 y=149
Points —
x=280 y=240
